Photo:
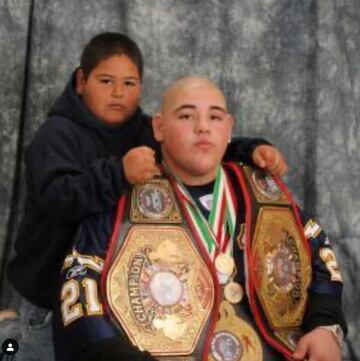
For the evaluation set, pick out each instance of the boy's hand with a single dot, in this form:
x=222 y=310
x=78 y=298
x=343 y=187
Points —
x=270 y=159
x=318 y=345
x=139 y=165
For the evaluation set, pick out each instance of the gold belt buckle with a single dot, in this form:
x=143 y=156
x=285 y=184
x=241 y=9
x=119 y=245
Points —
x=154 y=202
x=160 y=290
x=264 y=187
x=282 y=269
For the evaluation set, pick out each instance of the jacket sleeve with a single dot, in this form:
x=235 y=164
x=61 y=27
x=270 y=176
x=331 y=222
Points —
x=324 y=304
x=240 y=149
x=68 y=181
x=85 y=326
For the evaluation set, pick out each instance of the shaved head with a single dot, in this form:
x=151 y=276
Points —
x=193 y=128
x=189 y=83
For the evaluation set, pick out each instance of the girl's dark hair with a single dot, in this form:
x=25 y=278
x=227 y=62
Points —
x=105 y=45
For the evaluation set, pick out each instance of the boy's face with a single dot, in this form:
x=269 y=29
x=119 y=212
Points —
x=112 y=89
x=194 y=129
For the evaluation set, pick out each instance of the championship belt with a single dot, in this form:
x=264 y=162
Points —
x=280 y=261
x=154 y=202
x=234 y=339
x=158 y=286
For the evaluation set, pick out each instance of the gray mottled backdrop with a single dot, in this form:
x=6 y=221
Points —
x=290 y=70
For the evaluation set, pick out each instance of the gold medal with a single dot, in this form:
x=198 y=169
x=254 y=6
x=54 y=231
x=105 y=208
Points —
x=224 y=264
x=233 y=292
x=234 y=339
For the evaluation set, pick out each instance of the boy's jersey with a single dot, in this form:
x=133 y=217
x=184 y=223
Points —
x=79 y=318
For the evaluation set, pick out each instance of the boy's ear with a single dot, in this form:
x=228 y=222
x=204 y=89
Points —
x=231 y=120
x=80 y=81
x=158 y=127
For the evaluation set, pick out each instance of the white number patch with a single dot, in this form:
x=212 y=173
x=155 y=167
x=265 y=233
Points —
x=71 y=309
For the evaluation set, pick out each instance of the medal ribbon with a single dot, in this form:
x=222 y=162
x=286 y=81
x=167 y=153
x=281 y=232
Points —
x=216 y=233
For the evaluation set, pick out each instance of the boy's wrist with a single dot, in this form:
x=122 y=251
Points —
x=336 y=331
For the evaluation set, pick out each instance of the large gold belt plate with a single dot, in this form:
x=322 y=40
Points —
x=160 y=290
x=282 y=267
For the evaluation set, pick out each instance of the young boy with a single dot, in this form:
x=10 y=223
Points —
x=176 y=257
x=95 y=143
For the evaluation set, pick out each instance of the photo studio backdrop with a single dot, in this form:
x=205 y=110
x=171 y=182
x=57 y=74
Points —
x=290 y=70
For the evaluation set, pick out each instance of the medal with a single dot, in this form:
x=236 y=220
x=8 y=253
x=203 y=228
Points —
x=233 y=292
x=217 y=231
x=234 y=339
x=224 y=264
